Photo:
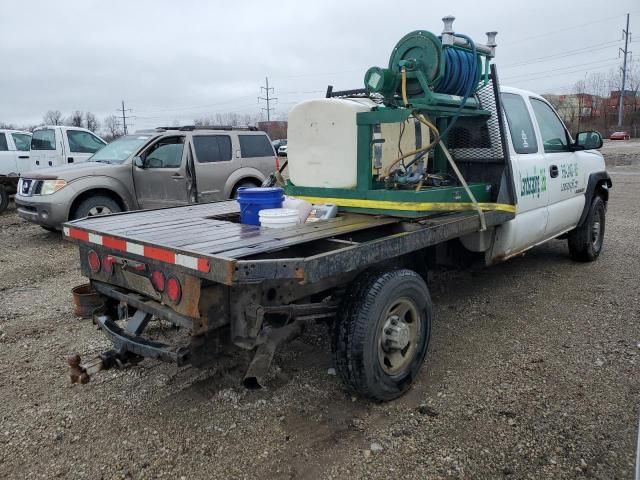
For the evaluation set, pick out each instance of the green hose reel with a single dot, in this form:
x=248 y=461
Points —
x=437 y=75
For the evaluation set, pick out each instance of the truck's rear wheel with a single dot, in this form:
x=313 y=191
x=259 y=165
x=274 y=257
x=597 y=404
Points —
x=96 y=205
x=585 y=241
x=382 y=334
x=4 y=199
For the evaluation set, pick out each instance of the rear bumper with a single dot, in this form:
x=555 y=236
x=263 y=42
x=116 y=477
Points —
x=47 y=213
x=124 y=343
x=129 y=340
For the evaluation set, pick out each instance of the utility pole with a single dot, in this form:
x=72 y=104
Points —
x=624 y=73
x=124 y=117
x=267 y=98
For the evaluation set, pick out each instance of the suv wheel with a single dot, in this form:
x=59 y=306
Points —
x=96 y=205
x=245 y=183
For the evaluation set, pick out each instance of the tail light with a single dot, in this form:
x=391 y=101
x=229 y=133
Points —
x=107 y=263
x=174 y=290
x=94 y=261
x=158 y=281
x=277 y=163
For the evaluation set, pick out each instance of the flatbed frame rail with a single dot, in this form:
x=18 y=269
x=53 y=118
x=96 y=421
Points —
x=207 y=240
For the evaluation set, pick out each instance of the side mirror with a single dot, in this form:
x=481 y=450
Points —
x=590 y=140
x=138 y=162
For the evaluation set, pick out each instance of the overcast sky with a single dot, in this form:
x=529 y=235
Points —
x=182 y=60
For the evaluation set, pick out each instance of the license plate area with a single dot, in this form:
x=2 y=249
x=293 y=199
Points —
x=140 y=284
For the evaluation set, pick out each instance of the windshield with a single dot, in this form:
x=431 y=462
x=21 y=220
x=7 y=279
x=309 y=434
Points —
x=119 y=150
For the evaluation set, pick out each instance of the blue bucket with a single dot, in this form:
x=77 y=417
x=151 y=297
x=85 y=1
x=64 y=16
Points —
x=254 y=199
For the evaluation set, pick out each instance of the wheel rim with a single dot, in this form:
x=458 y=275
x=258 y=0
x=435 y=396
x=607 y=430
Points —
x=99 y=210
x=596 y=230
x=399 y=336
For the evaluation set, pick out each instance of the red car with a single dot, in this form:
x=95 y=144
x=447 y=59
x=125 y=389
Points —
x=619 y=136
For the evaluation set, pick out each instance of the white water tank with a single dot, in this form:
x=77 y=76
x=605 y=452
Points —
x=322 y=142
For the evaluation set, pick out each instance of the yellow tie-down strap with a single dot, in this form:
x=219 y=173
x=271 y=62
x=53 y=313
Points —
x=410 y=206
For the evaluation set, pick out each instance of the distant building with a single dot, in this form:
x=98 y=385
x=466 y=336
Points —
x=275 y=129
x=630 y=101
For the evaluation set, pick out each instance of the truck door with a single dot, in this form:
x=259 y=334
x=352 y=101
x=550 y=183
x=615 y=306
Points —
x=214 y=163
x=22 y=144
x=160 y=176
x=565 y=179
x=7 y=156
x=529 y=169
x=80 y=145
x=46 y=146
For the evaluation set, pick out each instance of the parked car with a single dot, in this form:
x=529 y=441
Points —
x=14 y=159
x=56 y=145
x=619 y=136
x=277 y=143
x=282 y=149
x=167 y=167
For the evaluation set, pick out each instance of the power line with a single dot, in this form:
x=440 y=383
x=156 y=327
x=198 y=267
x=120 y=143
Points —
x=562 y=30
x=609 y=60
x=267 y=98
x=568 y=53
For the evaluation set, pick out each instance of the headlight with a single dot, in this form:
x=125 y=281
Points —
x=51 y=186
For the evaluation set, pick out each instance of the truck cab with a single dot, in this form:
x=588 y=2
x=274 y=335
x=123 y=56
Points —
x=14 y=152
x=56 y=145
x=14 y=160
x=555 y=176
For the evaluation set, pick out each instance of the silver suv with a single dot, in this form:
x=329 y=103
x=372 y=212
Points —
x=165 y=167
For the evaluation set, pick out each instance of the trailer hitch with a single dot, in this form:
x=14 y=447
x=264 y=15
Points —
x=81 y=372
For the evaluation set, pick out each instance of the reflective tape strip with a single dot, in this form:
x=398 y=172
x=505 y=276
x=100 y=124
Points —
x=155 y=253
x=97 y=239
x=135 y=248
x=409 y=206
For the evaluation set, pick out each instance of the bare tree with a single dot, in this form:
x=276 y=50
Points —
x=91 y=122
x=52 y=117
x=112 y=128
x=76 y=119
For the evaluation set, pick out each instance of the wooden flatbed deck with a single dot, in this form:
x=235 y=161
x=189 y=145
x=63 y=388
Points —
x=240 y=253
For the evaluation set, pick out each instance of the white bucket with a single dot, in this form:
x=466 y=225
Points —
x=279 y=217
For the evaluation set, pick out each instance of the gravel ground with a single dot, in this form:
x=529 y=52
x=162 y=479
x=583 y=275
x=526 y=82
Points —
x=532 y=373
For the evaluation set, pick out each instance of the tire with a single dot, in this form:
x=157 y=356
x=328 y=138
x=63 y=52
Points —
x=586 y=240
x=245 y=183
x=4 y=199
x=96 y=205
x=369 y=360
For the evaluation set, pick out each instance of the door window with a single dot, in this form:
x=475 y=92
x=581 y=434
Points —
x=3 y=143
x=554 y=135
x=255 y=146
x=520 y=125
x=212 y=148
x=83 y=142
x=43 y=140
x=167 y=153
x=22 y=141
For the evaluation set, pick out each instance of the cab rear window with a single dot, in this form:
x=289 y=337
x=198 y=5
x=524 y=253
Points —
x=255 y=146
x=43 y=140
x=520 y=126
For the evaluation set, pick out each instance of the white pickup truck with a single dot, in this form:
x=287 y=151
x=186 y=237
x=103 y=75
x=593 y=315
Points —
x=14 y=160
x=234 y=285
x=56 y=145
